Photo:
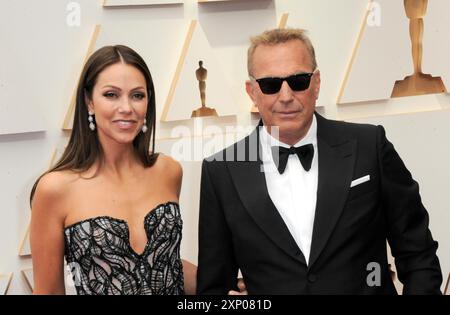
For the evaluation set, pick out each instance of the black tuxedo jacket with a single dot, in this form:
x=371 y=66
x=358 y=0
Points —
x=240 y=228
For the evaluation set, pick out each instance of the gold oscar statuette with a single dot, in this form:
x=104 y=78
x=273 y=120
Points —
x=418 y=83
x=201 y=74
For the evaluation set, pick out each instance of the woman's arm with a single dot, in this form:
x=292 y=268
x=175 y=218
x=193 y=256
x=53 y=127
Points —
x=242 y=288
x=47 y=237
x=190 y=277
x=190 y=281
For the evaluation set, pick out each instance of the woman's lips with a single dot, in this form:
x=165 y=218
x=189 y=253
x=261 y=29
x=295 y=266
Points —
x=125 y=124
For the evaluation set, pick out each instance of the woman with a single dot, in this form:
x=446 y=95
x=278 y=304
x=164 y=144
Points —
x=110 y=205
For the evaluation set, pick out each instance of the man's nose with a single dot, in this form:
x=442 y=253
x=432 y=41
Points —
x=286 y=93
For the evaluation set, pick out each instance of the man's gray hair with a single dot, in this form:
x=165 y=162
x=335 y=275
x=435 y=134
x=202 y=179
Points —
x=279 y=36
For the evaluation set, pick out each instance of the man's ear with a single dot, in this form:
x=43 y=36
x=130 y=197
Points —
x=317 y=82
x=249 y=87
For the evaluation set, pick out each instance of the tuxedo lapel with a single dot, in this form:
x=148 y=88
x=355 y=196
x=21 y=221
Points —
x=336 y=163
x=250 y=183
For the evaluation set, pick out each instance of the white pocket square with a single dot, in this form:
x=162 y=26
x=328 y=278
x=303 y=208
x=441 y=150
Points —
x=359 y=181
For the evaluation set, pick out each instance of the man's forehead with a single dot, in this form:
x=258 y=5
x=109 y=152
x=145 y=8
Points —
x=294 y=43
x=279 y=55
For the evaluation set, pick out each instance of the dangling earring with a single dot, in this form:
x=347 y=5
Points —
x=144 y=126
x=91 y=121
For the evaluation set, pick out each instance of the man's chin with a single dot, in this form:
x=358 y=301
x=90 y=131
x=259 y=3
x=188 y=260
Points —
x=290 y=125
x=288 y=116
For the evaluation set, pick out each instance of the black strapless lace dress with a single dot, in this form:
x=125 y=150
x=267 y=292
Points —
x=102 y=261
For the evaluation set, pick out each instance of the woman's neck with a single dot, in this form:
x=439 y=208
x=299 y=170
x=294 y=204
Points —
x=119 y=160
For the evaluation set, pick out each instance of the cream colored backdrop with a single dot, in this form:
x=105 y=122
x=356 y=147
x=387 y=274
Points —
x=42 y=56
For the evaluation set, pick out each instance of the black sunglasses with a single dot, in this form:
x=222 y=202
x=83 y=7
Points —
x=297 y=82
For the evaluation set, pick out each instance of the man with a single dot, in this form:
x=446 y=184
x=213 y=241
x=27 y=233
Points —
x=312 y=212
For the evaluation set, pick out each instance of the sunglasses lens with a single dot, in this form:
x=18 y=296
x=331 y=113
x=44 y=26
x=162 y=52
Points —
x=270 y=85
x=299 y=82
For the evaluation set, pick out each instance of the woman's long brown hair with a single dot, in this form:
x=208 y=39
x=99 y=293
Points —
x=84 y=148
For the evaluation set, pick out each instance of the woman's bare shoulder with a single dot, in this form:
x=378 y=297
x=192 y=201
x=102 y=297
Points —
x=55 y=185
x=169 y=166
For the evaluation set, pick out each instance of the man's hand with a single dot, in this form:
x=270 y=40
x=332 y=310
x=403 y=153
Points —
x=242 y=288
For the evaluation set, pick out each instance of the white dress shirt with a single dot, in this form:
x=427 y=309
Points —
x=294 y=192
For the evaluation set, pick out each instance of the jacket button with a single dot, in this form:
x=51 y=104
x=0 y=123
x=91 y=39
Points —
x=312 y=278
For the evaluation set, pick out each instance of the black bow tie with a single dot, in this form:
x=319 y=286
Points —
x=281 y=154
